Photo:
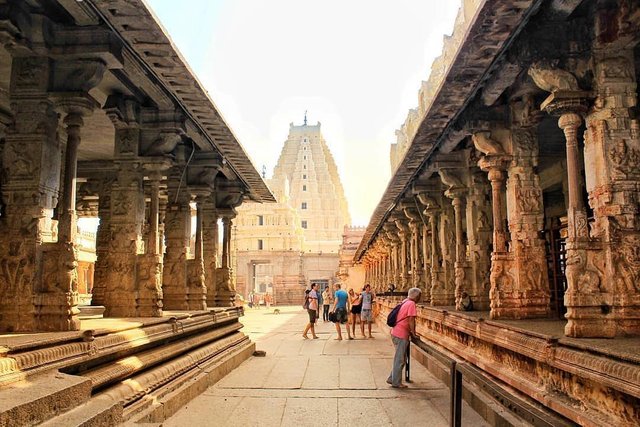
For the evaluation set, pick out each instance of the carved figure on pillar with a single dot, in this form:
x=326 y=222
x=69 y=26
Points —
x=225 y=293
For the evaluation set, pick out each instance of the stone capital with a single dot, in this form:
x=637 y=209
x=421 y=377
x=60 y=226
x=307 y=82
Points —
x=75 y=104
x=76 y=75
x=563 y=102
x=497 y=163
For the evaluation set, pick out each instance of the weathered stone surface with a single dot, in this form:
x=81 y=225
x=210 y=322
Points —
x=41 y=398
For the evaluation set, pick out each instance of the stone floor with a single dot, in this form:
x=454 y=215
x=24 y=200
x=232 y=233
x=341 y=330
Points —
x=320 y=382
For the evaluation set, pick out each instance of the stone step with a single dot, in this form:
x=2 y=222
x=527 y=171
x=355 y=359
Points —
x=41 y=398
x=97 y=412
x=22 y=355
x=128 y=366
x=163 y=402
x=91 y=311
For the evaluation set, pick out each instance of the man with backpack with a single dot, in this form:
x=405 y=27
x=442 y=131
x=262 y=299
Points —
x=402 y=319
x=340 y=307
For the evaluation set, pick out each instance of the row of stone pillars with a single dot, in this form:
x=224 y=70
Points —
x=453 y=214
x=134 y=277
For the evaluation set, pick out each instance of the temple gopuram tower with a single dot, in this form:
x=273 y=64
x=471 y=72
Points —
x=315 y=190
x=281 y=248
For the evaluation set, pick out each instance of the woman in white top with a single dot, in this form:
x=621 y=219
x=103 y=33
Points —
x=327 y=300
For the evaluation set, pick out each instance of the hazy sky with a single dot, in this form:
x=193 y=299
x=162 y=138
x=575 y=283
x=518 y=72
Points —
x=355 y=65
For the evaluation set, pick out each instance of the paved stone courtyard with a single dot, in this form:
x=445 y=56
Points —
x=321 y=382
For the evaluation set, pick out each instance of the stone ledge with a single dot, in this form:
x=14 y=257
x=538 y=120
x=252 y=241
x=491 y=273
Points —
x=42 y=397
x=588 y=385
x=29 y=354
x=171 y=398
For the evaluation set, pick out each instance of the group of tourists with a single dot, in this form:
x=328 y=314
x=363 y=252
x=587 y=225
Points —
x=255 y=299
x=340 y=305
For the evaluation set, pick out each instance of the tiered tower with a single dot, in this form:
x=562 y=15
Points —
x=295 y=241
x=315 y=190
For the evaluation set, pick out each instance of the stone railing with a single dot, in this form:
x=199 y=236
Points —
x=591 y=382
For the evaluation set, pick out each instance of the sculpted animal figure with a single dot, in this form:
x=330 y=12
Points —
x=552 y=79
x=483 y=142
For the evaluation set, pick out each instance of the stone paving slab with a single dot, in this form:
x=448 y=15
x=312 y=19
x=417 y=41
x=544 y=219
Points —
x=322 y=382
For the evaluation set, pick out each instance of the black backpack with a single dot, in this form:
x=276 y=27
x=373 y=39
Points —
x=392 y=318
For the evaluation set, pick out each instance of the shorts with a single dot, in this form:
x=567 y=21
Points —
x=367 y=315
x=312 y=315
x=356 y=309
x=341 y=315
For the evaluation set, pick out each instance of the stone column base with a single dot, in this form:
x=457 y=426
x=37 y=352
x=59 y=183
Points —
x=439 y=294
x=149 y=294
x=196 y=289
x=57 y=305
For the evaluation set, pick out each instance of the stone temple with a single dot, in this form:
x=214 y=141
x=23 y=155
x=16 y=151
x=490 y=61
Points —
x=514 y=206
x=281 y=248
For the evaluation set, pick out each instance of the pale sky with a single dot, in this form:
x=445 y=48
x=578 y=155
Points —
x=355 y=65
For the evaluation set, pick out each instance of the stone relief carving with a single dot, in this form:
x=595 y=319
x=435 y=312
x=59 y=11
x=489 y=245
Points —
x=165 y=144
x=615 y=68
x=528 y=199
x=627 y=264
x=483 y=142
x=585 y=278
x=13 y=269
x=552 y=79
x=625 y=161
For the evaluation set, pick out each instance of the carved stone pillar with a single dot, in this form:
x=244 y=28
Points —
x=149 y=268
x=479 y=232
x=125 y=243
x=31 y=166
x=416 y=266
x=603 y=297
x=60 y=259
x=391 y=233
x=426 y=260
x=210 y=247
x=225 y=293
x=177 y=227
x=438 y=291
x=196 y=288
x=462 y=269
x=519 y=280
x=404 y=259
x=448 y=241
x=30 y=140
x=530 y=297
x=103 y=238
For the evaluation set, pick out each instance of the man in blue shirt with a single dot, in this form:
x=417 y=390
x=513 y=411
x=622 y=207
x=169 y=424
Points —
x=340 y=307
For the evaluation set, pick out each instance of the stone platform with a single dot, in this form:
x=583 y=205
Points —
x=588 y=381
x=115 y=369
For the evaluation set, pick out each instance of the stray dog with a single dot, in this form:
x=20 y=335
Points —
x=276 y=311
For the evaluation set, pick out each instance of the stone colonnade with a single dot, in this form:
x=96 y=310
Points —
x=475 y=216
x=144 y=194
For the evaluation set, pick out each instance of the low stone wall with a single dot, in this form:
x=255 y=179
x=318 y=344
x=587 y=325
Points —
x=583 y=380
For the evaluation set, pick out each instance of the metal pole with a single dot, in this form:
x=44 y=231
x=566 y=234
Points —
x=456 y=395
x=407 y=371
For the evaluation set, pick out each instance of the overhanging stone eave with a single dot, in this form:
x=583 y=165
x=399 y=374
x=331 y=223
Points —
x=452 y=97
x=190 y=96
